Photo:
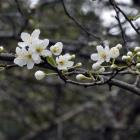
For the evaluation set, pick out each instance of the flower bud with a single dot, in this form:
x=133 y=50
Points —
x=81 y=77
x=78 y=64
x=101 y=70
x=126 y=58
x=39 y=75
x=138 y=53
x=72 y=56
x=119 y=46
x=96 y=66
x=137 y=49
x=130 y=54
x=138 y=65
x=1 y=48
x=113 y=66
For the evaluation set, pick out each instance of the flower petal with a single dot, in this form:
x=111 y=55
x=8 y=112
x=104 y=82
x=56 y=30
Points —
x=36 y=58
x=46 y=53
x=99 y=48
x=22 y=44
x=94 y=56
x=107 y=49
x=20 y=62
x=18 y=51
x=69 y=64
x=35 y=33
x=25 y=36
x=45 y=43
x=30 y=64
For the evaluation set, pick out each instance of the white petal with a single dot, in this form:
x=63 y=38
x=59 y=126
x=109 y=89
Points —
x=107 y=59
x=99 y=48
x=35 y=33
x=25 y=36
x=69 y=64
x=36 y=58
x=96 y=66
x=66 y=56
x=30 y=64
x=107 y=49
x=46 y=53
x=59 y=44
x=94 y=57
x=22 y=44
x=20 y=62
x=62 y=67
x=18 y=51
x=45 y=43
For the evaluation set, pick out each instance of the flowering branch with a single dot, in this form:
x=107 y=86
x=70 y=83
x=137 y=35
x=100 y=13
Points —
x=33 y=51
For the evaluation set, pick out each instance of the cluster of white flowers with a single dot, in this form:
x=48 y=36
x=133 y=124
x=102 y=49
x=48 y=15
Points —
x=63 y=62
x=30 y=51
x=104 y=54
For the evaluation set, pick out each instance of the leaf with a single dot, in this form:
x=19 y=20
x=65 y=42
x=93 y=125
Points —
x=51 y=61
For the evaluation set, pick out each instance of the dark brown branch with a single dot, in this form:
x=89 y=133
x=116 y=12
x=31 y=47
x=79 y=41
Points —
x=79 y=25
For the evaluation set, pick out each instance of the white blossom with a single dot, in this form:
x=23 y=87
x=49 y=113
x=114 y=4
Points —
x=31 y=49
x=39 y=75
x=28 y=39
x=39 y=49
x=24 y=57
x=57 y=48
x=64 y=62
x=102 y=55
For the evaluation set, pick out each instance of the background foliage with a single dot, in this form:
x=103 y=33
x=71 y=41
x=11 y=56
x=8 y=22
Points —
x=50 y=109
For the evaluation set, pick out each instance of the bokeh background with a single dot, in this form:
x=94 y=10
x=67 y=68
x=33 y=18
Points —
x=50 y=109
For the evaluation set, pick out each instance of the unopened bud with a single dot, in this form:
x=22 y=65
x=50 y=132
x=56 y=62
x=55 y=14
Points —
x=101 y=70
x=130 y=54
x=81 y=77
x=96 y=66
x=126 y=58
x=137 y=49
x=79 y=64
x=39 y=75
x=119 y=46
x=1 y=48
x=138 y=53
x=113 y=66
x=138 y=65
x=72 y=56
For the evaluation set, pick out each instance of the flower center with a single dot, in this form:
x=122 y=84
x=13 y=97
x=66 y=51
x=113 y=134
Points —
x=55 y=50
x=61 y=62
x=39 y=50
x=29 y=56
x=103 y=55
